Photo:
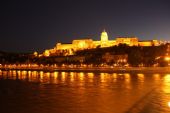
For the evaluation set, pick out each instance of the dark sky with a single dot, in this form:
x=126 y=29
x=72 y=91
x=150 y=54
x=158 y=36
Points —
x=29 y=25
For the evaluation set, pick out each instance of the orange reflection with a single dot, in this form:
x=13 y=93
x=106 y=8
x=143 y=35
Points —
x=29 y=73
x=41 y=73
x=55 y=74
x=14 y=74
x=63 y=76
x=166 y=87
x=168 y=104
x=90 y=76
x=141 y=77
x=54 y=77
x=0 y=72
x=156 y=76
x=72 y=76
x=10 y=72
x=127 y=77
x=103 y=77
x=81 y=76
x=114 y=77
x=19 y=74
x=47 y=74
x=24 y=73
x=34 y=73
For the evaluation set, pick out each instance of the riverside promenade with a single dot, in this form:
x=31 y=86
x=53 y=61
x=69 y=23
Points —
x=86 y=69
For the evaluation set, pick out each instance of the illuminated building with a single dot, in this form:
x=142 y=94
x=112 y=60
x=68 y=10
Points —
x=81 y=44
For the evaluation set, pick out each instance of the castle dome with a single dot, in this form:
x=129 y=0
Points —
x=104 y=36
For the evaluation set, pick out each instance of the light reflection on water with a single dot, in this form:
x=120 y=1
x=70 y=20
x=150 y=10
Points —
x=82 y=92
x=169 y=104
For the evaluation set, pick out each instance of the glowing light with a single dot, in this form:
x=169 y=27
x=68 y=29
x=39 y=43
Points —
x=90 y=75
x=29 y=73
x=103 y=77
x=35 y=53
x=115 y=75
x=72 y=76
x=141 y=77
x=168 y=104
x=23 y=73
x=82 y=44
x=156 y=77
x=48 y=74
x=81 y=76
x=0 y=72
x=63 y=76
x=167 y=58
x=55 y=74
x=167 y=78
x=104 y=36
x=47 y=53
x=127 y=76
x=166 y=86
x=41 y=73
x=34 y=73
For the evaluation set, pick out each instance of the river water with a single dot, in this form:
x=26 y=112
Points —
x=84 y=92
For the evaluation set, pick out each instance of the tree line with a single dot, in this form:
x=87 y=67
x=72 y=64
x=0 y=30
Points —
x=137 y=55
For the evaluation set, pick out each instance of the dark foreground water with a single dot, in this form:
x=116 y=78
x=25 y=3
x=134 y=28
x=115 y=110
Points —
x=83 y=92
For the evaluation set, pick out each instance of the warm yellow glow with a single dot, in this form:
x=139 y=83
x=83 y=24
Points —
x=55 y=75
x=63 y=76
x=24 y=72
x=80 y=44
x=19 y=73
x=29 y=73
x=104 y=36
x=127 y=77
x=156 y=77
x=47 y=53
x=90 y=76
x=167 y=58
x=141 y=77
x=14 y=73
x=34 y=73
x=0 y=72
x=72 y=76
x=167 y=78
x=48 y=74
x=168 y=104
x=81 y=76
x=115 y=75
x=166 y=86
x=35 y=53
x=103 y=77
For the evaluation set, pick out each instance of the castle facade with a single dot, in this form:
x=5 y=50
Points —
x=81 y=44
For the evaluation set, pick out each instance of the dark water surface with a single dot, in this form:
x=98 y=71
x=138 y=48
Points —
x=83 y=92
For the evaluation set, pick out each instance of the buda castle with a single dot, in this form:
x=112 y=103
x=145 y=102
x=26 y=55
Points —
x=81 y=44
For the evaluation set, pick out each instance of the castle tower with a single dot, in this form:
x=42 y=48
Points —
x=104 y=36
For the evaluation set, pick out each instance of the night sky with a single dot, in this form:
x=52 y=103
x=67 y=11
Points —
x=28 y=26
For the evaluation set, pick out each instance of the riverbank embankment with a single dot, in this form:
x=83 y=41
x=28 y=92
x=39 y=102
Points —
x=92 y=69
